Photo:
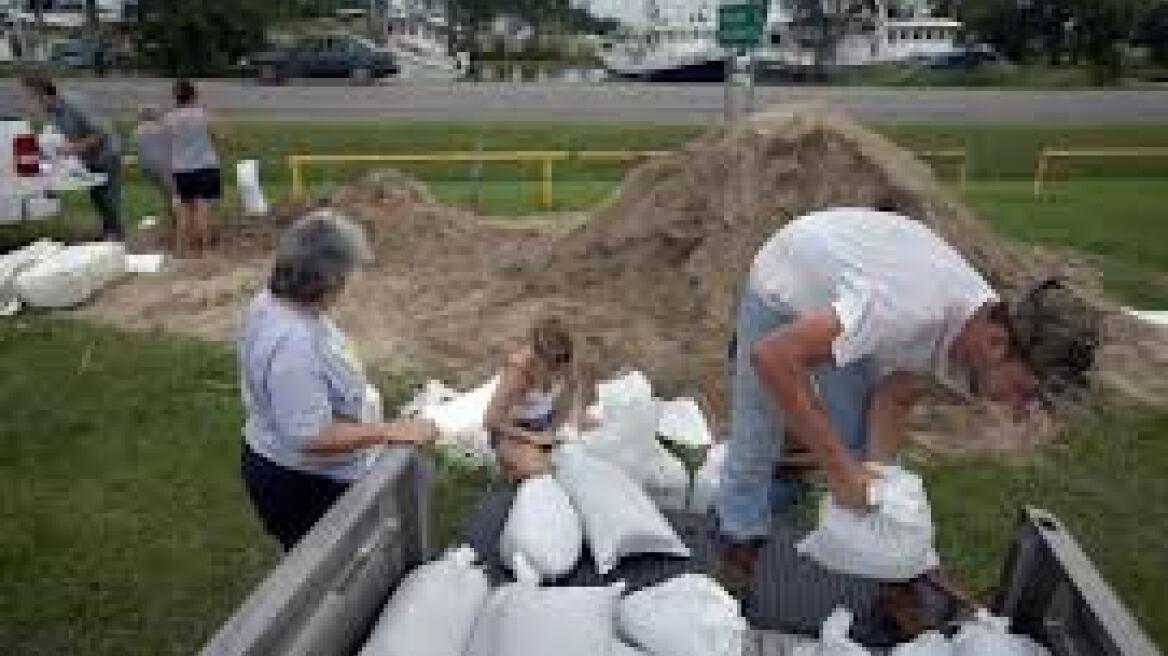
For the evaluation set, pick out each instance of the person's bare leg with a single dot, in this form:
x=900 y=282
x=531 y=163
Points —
x=182 y=229
x=200 y=227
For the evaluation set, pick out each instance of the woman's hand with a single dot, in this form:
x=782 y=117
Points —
x=410 y=431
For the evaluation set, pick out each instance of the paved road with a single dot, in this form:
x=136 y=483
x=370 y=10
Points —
x=650 y=102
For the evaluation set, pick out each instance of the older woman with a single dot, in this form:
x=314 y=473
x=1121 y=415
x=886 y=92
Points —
x=303 y=385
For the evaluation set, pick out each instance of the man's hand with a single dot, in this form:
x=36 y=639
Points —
x=850 y=488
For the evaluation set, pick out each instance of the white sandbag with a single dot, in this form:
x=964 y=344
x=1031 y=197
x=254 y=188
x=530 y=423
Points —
x=71 y=276
x=433 y=392
x=893 y=542
x=619 y=519
x=627 y=438
x=433 y=611
x=989 y=635
x=12 y=264
x=461 y=432
x=484 y=638
x=543 y=527
x=632 y=385
x=707 y=479
x=683 y=422
x=926 y=644
x=561 y=621
x=689 y=615
x=251 y=194
x=833 y=638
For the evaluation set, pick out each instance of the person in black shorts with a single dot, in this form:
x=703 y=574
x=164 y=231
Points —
x=195 y=163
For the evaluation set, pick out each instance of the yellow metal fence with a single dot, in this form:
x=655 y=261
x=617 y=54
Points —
x=546 y=159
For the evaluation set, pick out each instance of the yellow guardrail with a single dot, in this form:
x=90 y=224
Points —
x=545 y=158
x=1049 y=155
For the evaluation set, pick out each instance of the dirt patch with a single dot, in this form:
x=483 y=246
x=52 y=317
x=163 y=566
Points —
x=649 y=281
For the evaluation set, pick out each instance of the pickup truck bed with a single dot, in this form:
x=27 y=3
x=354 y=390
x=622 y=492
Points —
x=322 y=599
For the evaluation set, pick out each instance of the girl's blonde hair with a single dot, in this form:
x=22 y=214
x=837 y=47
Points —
x=551 y=341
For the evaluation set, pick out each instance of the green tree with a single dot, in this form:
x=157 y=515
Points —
x=195 y=38
x=1152 y=32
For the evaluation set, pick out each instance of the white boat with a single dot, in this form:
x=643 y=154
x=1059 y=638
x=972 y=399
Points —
x=417 y=33
x=674 y=43
x=869 y=37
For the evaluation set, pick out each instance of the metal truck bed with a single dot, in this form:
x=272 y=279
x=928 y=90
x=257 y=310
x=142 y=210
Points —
x=322 y=599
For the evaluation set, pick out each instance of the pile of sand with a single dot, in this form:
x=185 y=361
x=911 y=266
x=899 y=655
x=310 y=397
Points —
x=649 y=281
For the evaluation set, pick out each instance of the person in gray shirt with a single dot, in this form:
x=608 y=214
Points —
x=195 y=164
x=92 y=138
x=153 y=146
x=306 y=437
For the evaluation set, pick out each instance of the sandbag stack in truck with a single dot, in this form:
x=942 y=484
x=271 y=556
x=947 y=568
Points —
x=892 y=542
x=619 y=518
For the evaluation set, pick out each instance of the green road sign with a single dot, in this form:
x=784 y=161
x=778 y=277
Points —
x=740 y=25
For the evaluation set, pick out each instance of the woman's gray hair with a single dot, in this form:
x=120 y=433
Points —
x=316 y=255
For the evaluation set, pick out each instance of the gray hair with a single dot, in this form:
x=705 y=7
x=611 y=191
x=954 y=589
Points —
x=316 y=255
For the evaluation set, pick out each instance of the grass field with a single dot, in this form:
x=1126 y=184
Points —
x=124 y=529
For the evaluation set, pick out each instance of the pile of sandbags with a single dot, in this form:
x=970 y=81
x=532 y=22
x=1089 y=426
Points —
x=446 y=608
x=630 y=419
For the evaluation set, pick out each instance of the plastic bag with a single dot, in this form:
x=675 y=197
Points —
x=251 y=194
x=833 y=638
x=72 y=275
x=894 y=542
x=683 y=422
x=543 y=527
x=562 y=621
x=707 y=480
x=690 y=615
x=989 y=635
x=619 y=519
x=460 y=424
x=927 y=644
x=434 y=610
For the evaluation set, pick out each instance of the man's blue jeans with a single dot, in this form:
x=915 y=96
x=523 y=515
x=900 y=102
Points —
x=749 y=494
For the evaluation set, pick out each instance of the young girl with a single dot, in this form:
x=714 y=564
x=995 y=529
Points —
x=539 y=389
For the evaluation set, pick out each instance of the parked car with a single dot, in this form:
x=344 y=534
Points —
x=325 y=56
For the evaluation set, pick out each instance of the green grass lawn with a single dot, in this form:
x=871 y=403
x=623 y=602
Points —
x=124 y=529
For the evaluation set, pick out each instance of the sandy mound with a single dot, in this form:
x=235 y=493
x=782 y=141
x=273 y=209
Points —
x=649 y=281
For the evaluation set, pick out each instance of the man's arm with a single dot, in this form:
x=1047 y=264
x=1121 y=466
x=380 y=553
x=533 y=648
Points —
x=783 y=361
x=892 y=400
